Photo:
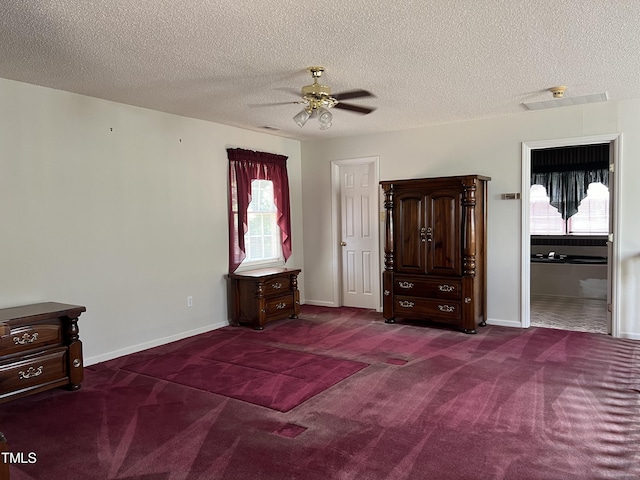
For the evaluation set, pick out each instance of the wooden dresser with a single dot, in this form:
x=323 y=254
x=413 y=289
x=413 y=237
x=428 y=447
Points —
x=39 y=349
x=261 y=296
x=435 y=250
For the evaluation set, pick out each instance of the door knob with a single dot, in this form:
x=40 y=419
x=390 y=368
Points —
x=343 y=244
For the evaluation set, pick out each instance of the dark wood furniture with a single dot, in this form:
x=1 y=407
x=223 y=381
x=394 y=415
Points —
x=435 y=250
x=39 y=349
x=261 y=296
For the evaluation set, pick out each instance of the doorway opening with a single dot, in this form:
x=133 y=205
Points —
x=569 y=245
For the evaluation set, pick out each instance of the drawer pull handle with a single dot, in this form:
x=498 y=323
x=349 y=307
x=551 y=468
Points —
x=387 y=293
x=406 y=304
x=25 y=339
x=446 y=308
x=276 y=285
x=405 y=284
x=31 y=372
x=281 y=305
x=446 y=288
x=77 y=362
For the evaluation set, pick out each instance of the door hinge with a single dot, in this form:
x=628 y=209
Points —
x=611 y=168
x=610 y=238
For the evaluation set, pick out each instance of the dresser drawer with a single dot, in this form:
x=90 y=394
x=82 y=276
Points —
x=276 y=286
x=440 y=310
x=34 y=370
x=30 y=337
x=429 y=288
x=281 y=306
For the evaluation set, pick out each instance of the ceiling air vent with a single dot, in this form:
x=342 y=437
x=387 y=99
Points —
x=559 y=100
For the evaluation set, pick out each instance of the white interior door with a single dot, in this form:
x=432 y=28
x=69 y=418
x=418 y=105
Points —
x=359 y=237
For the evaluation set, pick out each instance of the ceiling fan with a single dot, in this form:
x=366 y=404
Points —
x=318 y=100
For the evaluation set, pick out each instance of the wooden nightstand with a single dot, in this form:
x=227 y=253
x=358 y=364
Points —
x=39 y=349
x=260 y=296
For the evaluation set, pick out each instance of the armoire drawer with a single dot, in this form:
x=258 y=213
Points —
x=34 y=370
x=30 y=337
x=442 y=310
x=428 y=288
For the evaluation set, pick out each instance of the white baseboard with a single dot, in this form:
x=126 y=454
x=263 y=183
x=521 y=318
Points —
x=504 y=323
x=320 y=303
x=152 y=343
x=630 y=335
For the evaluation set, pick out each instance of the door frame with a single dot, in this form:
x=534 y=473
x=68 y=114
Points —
x=336 y=227
x=615 y=141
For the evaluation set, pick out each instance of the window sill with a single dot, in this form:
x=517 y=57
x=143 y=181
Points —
x=257 y=265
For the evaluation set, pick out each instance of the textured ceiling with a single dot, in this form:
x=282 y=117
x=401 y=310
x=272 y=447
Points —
x=427 y=62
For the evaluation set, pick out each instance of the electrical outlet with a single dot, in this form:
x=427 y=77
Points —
x=189 y=301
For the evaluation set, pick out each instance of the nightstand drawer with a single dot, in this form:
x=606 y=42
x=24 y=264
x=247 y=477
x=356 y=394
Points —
x=280 y=306
x=276 y=286
x=34 y=370
x=30 y=337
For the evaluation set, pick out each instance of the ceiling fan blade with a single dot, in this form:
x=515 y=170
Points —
x=292 y=91
x=352 y=94
x=354 y=108
x=273 y=104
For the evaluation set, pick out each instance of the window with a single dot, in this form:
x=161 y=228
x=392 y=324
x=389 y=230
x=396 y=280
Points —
x=262 y=240
x=544 y=219
x=259 y=208
x=592 y=217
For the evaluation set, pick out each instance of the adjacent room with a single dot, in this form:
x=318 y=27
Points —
x=363 y=241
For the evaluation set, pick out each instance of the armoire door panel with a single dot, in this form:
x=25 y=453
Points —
x=410 y=219
x=444 y=248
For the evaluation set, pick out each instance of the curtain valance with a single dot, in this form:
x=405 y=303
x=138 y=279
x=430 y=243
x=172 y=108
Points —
x=567 y=172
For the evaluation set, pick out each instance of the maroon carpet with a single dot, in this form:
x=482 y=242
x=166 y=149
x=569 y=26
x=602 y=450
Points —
x=431 y=404
x=232 y=366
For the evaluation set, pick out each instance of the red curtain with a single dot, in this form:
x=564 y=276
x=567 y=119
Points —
x=245 y=166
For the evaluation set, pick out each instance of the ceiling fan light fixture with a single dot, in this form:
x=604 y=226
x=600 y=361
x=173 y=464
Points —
x=318 y=100
x=325 y=117
x=301 y=117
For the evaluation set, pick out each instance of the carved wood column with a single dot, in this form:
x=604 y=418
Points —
x=469 y=228
x=387 y=275
x=74 y=357
x=388 y=225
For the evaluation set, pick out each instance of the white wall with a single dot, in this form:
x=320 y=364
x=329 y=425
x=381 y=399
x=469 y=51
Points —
x=490 y=147
x=123 y=210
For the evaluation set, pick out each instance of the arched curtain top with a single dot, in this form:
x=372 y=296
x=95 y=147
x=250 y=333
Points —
x=244 y=167
x=567 y=172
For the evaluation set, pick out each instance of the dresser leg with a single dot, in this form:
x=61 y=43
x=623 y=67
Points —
x=483 y=323
x=390 y=320
x=258 y=327
x=471 y=331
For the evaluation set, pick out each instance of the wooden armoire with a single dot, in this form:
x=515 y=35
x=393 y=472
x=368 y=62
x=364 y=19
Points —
x=435 y=250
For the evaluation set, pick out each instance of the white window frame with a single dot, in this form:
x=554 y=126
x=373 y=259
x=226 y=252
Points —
x=257 y=190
